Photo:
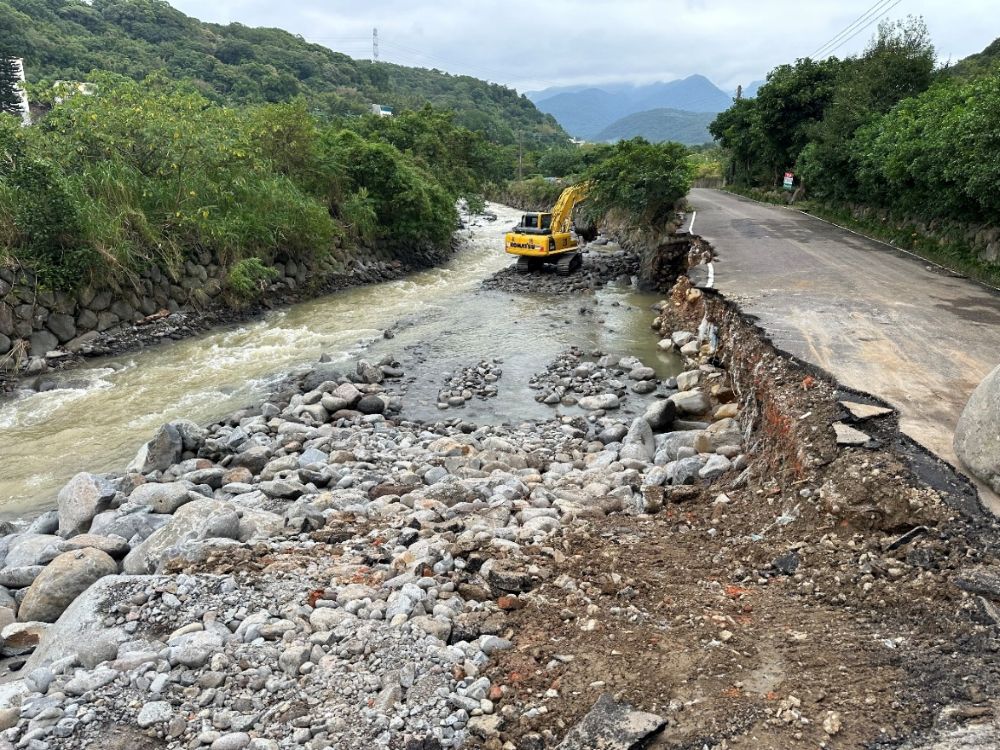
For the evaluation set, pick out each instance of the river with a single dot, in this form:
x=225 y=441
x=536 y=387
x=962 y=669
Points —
x=100 y=413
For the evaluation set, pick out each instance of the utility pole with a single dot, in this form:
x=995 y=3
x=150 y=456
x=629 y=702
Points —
x=375 y=45
x=739 y=92
x=520 y=155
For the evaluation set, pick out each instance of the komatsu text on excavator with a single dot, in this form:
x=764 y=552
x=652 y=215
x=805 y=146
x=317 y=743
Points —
x=548 y=237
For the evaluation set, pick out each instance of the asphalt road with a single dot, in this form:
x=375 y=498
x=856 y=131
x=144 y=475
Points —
x=877 y=319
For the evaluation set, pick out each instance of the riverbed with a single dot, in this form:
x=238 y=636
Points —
x=440 y=320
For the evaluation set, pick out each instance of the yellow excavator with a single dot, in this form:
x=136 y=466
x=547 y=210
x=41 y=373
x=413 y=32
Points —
x=548 y=237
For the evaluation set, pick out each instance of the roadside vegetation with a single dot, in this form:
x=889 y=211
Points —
x=881 y=141
x=152 y=172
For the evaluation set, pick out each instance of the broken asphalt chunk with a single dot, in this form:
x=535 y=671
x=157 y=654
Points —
x=611 y=726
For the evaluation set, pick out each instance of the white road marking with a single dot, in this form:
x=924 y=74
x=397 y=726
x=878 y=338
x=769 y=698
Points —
x=711 y=276
x=694 y=215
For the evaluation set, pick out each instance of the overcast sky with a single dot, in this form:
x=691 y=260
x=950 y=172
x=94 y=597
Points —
x=531 y=44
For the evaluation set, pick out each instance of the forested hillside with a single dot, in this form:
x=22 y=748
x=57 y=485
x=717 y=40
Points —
x=978 y=64
x=67 y=39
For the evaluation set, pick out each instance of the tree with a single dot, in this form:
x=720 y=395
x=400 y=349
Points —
x=787 y=107
x=739 y=133
x=898 y=63
x=643 y=179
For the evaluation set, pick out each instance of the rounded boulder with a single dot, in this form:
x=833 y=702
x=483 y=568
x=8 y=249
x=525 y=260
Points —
x=62 y=581
x=977 y=436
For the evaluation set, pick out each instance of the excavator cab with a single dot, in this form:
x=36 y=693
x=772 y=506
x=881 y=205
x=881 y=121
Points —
x=535 y=223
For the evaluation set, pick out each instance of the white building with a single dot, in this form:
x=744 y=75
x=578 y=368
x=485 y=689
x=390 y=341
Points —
x=380 y=111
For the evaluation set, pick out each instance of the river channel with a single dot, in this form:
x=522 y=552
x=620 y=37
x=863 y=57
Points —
x=100 y=413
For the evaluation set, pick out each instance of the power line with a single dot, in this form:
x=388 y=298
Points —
x=865 y=26
x=876 y=9
x=847 y=29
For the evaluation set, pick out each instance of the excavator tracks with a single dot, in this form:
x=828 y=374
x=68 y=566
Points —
x=526 y=264
x=568 y=263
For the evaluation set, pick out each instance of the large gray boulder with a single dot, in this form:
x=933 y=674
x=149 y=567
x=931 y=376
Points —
x=669 y=444
x=33 y=549
x=83 y=497
x=600 y=401
x=82 y=626
x=977 y=436
x=197 y=520
x=691 y=403
x=165 y=497
x=160 y=453
x=132 y=527
x=612 y=726
x=660 y=414
x=62 y=581
x=639 y=443
x=192 y=436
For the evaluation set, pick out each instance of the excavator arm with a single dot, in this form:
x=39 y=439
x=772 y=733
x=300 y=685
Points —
x=562 y=213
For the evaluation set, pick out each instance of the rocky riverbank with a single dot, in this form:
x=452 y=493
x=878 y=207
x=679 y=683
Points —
x=757 y=560
x=42 y=331
x=236 y=572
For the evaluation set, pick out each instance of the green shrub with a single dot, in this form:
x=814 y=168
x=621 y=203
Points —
x=359 y=215
x=475 y=203
x=248 y=278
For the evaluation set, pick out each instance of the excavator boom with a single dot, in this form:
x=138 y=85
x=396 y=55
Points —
x=562 y=213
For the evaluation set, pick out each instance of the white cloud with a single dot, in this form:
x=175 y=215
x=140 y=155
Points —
x=530 y=44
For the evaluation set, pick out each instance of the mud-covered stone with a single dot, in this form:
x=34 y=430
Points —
x=611 y=726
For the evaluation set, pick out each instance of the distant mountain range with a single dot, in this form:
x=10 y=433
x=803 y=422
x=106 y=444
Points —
x=656 y=111
x=656 y=125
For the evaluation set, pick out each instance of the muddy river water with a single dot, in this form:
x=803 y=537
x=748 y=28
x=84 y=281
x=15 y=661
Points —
x=99 y=415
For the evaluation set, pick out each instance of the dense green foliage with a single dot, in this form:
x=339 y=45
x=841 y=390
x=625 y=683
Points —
x=564 y=162
x=67 y=39
x=882 y=129
x=641 y=180
x=634 y=180
x=707 y=162
x=936 y=155
x=153 y=172
x=898 y=64
x=247 y=278
x=765 y=135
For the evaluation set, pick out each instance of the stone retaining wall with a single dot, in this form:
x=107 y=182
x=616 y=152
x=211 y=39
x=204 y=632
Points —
x=36 y=322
